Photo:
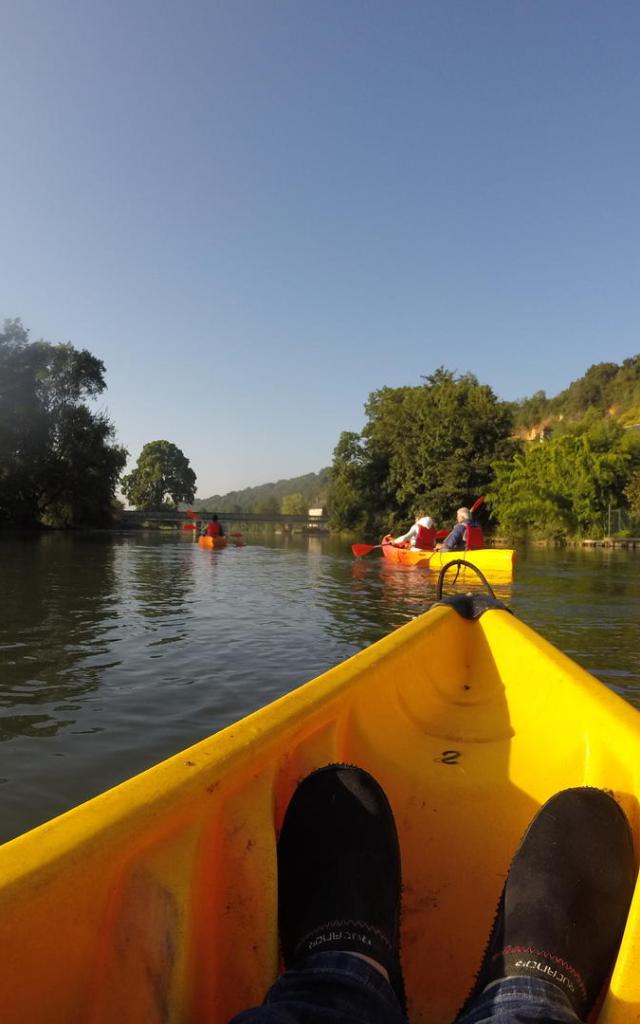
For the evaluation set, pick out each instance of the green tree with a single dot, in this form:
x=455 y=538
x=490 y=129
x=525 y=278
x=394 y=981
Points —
x=58 y=462
x=563 y=487
x=432 y=446
x=293 y=505
x=632 y=494
x=162 y=471
x=351 y=504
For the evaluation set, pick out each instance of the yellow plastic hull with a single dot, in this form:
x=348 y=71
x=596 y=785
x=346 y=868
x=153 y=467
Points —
x=157 y=900
x=212 y=542
x=492 y=562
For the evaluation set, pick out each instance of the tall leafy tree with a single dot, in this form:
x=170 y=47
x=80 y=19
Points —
x=632 y=494
x=162 y=471
x=347 y=494
x=430 y=447
x=564 y=486
x=58 y=460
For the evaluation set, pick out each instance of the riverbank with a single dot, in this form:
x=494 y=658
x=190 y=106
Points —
x=612 y=542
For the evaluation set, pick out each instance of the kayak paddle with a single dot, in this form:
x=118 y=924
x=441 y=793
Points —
x=363 y=549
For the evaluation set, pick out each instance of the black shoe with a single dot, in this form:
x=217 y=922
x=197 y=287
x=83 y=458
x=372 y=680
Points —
x=566 y=899
x=339 y=870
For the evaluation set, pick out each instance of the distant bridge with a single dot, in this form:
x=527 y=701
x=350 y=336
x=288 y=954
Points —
x=247 y=518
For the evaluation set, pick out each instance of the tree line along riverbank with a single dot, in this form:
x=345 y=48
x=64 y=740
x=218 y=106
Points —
x=561 y=469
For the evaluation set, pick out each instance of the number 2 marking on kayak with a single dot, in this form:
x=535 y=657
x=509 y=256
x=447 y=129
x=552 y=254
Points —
x=449 y=757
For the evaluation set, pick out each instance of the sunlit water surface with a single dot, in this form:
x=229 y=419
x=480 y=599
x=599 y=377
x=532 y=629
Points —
x=118 y=650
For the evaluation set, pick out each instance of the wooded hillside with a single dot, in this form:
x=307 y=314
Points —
x=312 y=487
x=611 y=389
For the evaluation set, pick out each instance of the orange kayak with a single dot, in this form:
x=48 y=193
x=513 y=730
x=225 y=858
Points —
x=407 y=556
x=212 y=542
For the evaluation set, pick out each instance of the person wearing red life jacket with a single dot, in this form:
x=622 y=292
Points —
x=421 y=535
x=213 y=528
x=465 y=536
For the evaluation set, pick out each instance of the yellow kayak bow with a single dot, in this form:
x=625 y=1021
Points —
x=156 y=901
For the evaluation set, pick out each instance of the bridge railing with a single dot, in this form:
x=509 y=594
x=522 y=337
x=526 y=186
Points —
x=136 y=516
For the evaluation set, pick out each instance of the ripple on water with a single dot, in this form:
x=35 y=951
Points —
x=118 y=651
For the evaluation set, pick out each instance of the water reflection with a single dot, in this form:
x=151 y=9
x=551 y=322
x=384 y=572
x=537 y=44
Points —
x=116 y=651
x=59 y=611
x=586 y=602
x=159 y=581
x=382 y=596
x=157 y=586
x=314 y=545
x=366 y=598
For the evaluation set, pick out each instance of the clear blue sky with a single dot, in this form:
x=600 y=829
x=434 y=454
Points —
x=258 y=212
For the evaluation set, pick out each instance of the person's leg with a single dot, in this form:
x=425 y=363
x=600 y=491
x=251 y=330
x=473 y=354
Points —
x=520 y=1001
x=328 y=988
x=338 y=895
x=554 y=940
x=561 y=915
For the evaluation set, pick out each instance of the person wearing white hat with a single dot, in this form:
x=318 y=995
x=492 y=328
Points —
x=421 y=535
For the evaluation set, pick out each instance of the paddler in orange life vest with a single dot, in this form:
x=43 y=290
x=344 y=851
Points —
x=421 y=535
x=213 y=528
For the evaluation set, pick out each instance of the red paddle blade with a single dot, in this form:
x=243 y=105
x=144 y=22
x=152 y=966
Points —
x=363 y=549
x=476 y=504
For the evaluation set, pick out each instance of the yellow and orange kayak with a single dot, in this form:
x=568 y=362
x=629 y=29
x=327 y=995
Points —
x=491 y=561
x=156 y=901
x=212 y=542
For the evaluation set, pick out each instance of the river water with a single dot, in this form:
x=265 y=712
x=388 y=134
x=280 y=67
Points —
x=119 y=650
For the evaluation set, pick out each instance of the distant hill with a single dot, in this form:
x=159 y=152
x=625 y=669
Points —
x=611 y=389
x=268 y=497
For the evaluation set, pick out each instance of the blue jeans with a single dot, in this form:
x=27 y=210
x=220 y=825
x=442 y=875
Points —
x=337 y=988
